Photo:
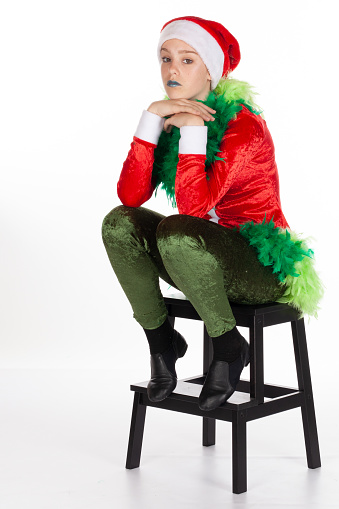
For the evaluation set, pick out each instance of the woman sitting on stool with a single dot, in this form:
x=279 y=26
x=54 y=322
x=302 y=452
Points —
x=209 y=148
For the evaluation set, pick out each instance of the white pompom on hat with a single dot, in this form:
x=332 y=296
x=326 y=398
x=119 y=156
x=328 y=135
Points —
x=216 y=46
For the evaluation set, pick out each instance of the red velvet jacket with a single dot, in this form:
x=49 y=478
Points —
x=243 y=187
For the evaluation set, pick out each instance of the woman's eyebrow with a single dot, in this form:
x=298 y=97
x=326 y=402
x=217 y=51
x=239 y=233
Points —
x=181 y=51
x=187 y=51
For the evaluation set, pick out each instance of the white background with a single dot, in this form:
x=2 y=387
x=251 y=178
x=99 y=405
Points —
x=75 y=77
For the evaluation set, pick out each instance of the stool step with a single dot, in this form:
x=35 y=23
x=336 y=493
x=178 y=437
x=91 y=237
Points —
x=187 y=392
x=270 y=391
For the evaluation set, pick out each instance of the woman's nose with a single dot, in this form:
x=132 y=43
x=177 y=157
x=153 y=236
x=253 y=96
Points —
x=174 y=69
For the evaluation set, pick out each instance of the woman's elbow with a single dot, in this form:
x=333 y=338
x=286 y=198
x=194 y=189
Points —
x=130 y=199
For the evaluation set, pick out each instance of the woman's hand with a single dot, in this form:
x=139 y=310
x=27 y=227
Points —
x=181 y=119
x=170 y=107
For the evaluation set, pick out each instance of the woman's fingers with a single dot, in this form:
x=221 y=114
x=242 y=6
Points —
x=196 y=105
x=195 y=108
x=167 y=126
x=169 y=107
x=191 y=102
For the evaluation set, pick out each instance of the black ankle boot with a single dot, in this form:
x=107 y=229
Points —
x=222 y=379
x=163 y=381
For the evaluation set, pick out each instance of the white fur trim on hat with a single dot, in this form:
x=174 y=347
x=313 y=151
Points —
x=193 y=34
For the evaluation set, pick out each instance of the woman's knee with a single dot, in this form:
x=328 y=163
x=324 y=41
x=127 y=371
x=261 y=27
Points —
x=118 y=220
x=131 y=226
x=176 y=224
x=179 y=231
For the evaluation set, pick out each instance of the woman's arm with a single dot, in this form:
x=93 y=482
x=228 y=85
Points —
x=196 y=191
x=135 y=184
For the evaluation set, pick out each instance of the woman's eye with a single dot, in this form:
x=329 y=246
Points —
x=188 y=61
x=165 y=59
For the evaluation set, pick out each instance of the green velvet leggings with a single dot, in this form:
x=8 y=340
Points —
x=209 y=263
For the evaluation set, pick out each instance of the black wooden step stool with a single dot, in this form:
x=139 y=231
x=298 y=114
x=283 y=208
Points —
x=247 y=403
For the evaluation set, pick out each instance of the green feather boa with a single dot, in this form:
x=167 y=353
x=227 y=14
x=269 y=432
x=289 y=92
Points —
x=291 y=260
x=227 y=99
x=275 y=247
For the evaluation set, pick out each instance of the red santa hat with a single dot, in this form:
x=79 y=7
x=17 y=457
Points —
x=217 y=47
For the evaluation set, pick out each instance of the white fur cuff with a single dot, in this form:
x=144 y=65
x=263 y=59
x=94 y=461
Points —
x=193 y=139
x=150 y=127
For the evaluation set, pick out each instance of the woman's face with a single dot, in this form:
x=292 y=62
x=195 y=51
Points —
x=183 y=73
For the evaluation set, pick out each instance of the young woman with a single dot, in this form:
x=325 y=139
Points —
x=209 y=148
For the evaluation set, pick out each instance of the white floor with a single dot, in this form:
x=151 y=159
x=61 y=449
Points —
x=64 y=437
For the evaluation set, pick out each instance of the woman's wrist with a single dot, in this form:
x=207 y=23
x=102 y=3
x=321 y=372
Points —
x=193 y=120
x=153 y=109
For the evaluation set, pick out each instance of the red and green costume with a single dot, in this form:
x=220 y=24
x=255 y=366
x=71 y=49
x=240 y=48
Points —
x=224 y=173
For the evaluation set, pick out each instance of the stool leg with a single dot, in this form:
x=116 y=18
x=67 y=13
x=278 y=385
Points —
x=207 y=351
x=136 y=433
x=305 y=385
x=171 y=320
x=239 y=460
x=257 y=359
x=208 y=431
x=208 y=424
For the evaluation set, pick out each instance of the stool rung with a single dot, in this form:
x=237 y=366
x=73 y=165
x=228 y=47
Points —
x=270 y=391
